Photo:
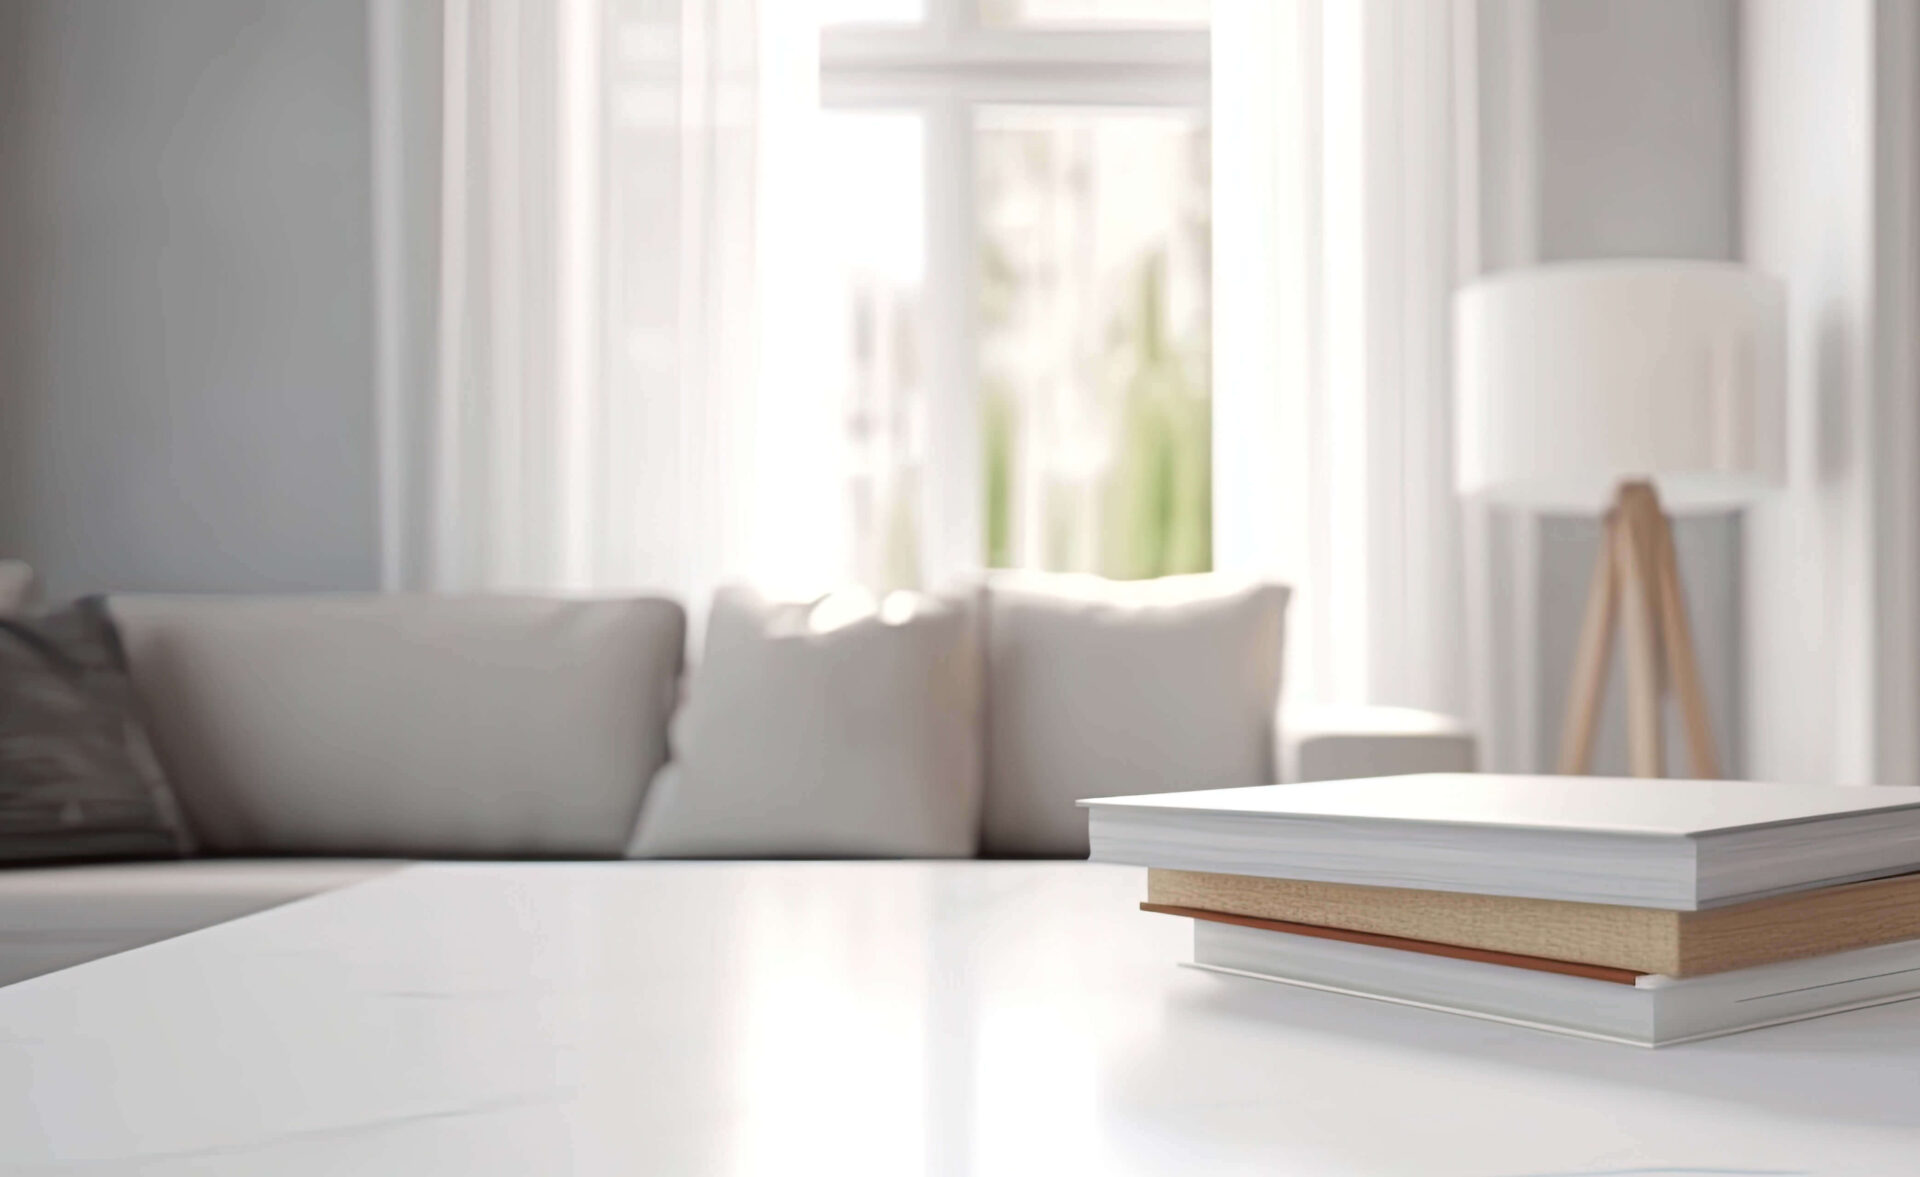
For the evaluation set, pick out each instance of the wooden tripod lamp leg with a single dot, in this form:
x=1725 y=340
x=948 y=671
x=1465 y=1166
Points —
x=1591 y=659
x=1640 y=624
x=1682 y=665
x=1636 y=585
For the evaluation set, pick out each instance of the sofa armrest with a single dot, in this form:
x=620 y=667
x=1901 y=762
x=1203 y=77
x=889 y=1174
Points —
x=1334 y=743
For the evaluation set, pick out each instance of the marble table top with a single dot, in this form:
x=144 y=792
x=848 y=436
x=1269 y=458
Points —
x=846 y=1018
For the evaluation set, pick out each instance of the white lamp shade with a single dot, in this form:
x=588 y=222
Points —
x=1570 y=378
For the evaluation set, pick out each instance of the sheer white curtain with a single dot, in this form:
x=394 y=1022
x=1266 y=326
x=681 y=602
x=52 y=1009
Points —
x=613 y=226
x=1336 y=254
x=629 y=394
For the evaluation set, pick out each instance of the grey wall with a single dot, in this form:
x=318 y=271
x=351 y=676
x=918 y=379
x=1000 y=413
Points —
x=1611 y=130
x=186 y=270
x=1638 y=125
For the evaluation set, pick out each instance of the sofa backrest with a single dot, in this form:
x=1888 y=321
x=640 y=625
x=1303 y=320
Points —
x=407 y=725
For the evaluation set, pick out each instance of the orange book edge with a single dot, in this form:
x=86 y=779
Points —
x=1593 y=972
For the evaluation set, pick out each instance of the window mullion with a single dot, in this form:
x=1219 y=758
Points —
x=952 y=536
x=955 y=18
x=948 y=22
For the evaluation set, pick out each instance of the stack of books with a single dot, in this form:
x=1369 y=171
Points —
x=1640 y=911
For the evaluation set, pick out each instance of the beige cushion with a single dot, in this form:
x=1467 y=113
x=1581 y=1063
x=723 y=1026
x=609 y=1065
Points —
x=805 y=738
x=401 y=725
x=19 y=588
x=1100 y=688
x=57 y=917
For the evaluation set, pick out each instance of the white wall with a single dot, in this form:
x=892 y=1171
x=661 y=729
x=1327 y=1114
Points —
x=1827 y=157
x=186 y=335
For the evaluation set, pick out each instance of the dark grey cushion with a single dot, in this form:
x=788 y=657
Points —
x=78 y=779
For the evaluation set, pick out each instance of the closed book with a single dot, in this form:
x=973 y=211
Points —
x=1644 y=1010
x=1643 y=939
x=1681 y=845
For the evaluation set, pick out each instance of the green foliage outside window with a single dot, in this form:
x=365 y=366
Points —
x=1156 y=516
x=1158 y=504
x=1095 y=388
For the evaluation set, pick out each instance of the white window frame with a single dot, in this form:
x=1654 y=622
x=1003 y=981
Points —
x=944 y=68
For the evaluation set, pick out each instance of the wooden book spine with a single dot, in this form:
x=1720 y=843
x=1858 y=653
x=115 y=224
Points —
x=1640 y=940
x=1565 y=968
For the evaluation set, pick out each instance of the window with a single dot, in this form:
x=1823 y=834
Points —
x=1021 y=231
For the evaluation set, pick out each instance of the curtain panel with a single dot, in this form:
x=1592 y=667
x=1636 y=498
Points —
x=1337 y=251
x=627 y=297
x=598 y=419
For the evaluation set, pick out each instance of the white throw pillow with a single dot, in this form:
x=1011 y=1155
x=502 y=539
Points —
x=407 y=725
x=809 y=735
x=1098 y=688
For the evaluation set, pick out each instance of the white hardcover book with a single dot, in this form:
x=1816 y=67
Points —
x=1676 y=844
x=1654 y=1011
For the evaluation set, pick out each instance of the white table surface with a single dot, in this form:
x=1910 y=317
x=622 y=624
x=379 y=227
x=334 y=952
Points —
x=856 y=1018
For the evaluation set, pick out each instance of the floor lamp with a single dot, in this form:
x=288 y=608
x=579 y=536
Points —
x=1632 y=388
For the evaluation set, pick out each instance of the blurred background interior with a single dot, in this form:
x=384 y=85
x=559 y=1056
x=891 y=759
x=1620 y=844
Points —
x=604 y=295
x=521 y=432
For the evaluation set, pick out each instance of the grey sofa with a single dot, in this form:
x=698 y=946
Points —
x=318 y=741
